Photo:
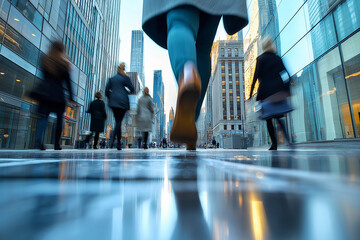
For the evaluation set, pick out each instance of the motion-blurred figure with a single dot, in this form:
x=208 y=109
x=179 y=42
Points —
x=273 y=87
x=50 y=92
x=118 y=100
x=98 y=117
x=187 y=29
x=144 y=115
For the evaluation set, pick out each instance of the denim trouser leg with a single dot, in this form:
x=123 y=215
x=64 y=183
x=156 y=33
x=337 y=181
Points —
x=41 y=129
x=182 y=25
x=190 y=37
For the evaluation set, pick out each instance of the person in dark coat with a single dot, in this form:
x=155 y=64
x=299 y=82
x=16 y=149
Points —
x=118 y=100
x=187 y=29
x=268 y=70
x=50 y=92
x=98 y=117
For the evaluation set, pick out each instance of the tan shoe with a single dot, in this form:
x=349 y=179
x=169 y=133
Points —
x=184 y=128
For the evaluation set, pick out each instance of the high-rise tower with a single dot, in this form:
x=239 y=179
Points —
x=137 y=54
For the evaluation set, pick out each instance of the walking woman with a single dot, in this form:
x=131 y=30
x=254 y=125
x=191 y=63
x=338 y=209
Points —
x=268 y=70
x=144 y=115
x=98 y=117
x=118 y=100
x=187 y=29
x=50 y=92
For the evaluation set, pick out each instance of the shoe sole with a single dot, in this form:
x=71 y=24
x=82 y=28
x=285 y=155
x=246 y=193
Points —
x=184 y=128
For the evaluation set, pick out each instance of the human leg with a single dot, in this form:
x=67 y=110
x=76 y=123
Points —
x=271 y=131
x=119 y=115
x=283 y=129
x=146 y=136
x=43 y=112
x=207 y=31
x=59 y=125
x=96 y=139
x=183 y=25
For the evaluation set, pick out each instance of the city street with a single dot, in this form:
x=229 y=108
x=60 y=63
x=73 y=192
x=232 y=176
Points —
x=305 y=193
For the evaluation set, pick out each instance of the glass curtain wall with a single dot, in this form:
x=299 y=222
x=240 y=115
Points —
x=319 y=42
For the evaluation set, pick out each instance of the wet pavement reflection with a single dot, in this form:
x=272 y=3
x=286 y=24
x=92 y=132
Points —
x=174 y=194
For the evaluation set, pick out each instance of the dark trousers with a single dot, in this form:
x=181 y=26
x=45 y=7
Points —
x=271 y=131
x=146 y=136
x=96 y=138
x=44 y=111
x=119 y=114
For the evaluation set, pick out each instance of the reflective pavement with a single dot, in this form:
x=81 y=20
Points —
x=174 y=194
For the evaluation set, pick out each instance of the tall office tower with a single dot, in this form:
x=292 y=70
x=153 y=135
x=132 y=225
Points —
x=227 y=91
x=159 y=102
x=323 y=62
x=170 y=122
x=137 y=54
x=27 y=28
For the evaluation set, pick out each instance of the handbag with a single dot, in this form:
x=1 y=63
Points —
x=269 y=109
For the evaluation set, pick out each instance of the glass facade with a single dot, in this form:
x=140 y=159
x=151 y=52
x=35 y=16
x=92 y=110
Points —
x=318 y=41
x=27 y=28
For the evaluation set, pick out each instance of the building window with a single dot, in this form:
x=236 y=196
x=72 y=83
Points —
x=232 y=127
x=239 y=127
x=225 y=127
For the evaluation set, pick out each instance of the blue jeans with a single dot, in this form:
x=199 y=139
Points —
x=190 y=37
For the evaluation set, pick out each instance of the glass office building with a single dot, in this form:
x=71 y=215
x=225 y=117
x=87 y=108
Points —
x=27 y=28
x=319 y=41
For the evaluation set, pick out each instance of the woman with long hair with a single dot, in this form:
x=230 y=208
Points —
x=117 y=90
x=187 y=29
x=50 y=94
x=144 y=115
x=268 y=70
x=98 y=117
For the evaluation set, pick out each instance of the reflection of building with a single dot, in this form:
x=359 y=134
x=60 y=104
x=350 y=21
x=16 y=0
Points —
x=170 y=123
x=227 y=91
x=159 y=104
x=137 y=54
x=26 y=31
x=317 y=41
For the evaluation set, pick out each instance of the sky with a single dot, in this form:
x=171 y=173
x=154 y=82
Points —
x=155 y=57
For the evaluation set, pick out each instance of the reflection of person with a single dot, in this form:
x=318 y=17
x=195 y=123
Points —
x=144 y=115
x=118 y=100
x=269 y=67
x=187 y=29
x=50 y=94
x=98 y=117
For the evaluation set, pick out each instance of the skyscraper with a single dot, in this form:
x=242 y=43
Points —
x=322 y=57
x=137 y=54
x=227 y=90
x=159 y=102
x=26 y=30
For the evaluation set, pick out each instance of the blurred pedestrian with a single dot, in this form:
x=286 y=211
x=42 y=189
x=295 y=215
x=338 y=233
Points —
x=102 y=143
x=50 y=92
x=117 y=90
x=273 y=86
x=98 y=117
x=214 y=142
x=164 y=143
x=187 y=29
x=144 y=115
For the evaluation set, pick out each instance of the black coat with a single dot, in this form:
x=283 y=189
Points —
x=116 y=93
x=98 y=115
x=267 y=71
x=50 y=91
